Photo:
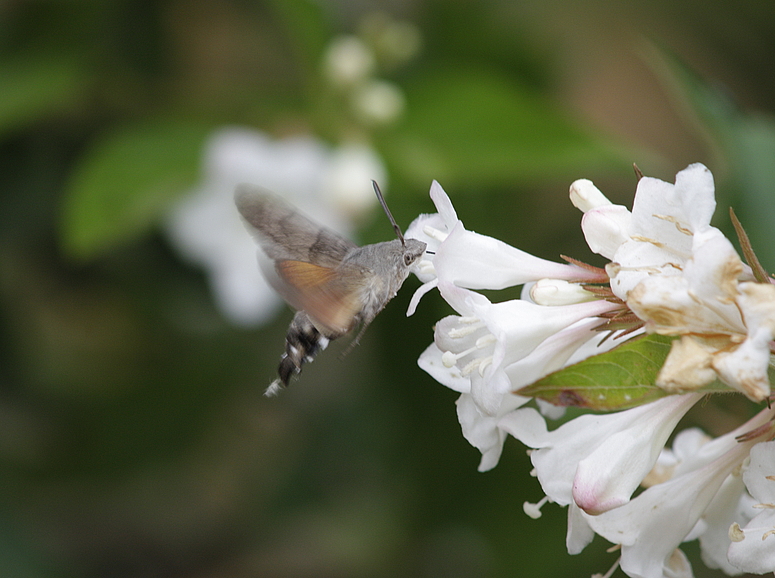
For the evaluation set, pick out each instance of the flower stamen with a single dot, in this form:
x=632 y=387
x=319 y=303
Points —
x=435 y=234
x=534 y=510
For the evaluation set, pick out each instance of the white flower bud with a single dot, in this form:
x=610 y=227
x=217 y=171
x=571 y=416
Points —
x=378 y=102
x=347 y=61
x=585 y=196
x=553 y=292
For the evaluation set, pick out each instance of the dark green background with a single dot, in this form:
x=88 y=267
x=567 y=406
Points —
x=134 y=438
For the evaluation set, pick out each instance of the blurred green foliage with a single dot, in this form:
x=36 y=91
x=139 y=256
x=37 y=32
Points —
x=134 y=439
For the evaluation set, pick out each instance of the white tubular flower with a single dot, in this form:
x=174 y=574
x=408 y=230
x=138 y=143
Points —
x=467 y=259
x=503 y=334
x=652 y=525
x=332 y=184
x=465 y=344
x=752 y=547
x=482 y=431
x=554 y=292
x=598 y=461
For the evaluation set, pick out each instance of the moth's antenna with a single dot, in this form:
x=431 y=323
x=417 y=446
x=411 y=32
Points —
x=396 y=228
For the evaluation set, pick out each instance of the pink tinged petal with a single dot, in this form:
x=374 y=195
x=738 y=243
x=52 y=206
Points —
x=606 y=229
x=608 y=475
x=476 y=261
x=651 y=526
x=597 y=438
x=753 y=550
x=482 y=430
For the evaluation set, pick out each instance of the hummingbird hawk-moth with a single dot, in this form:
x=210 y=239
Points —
x=333 y=284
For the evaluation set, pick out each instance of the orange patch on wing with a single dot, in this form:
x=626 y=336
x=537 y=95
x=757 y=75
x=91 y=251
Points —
x=325 y=294
x=303 y=275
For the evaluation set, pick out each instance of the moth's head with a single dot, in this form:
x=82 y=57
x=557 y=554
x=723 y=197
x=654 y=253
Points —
x=413 y=251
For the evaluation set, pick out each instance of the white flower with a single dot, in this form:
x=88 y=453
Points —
x=598 y=461
x=652 y=525
x=671 y=273
x=493 y=349
x=474 y=261
x=753 y=546
x=378 y=102
x=481 y=430
x=489 y=338
x=333 y=185
x=683 y=277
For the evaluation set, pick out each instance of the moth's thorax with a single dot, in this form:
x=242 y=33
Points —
x=387 y=269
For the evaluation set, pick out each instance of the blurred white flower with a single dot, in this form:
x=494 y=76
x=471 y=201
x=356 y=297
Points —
x=347 y=61
x=331 y=184
x=394 y=41
x=378 y=102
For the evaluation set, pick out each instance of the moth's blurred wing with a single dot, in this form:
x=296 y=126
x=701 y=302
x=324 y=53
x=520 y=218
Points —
x=286 y=234
x=332 y=297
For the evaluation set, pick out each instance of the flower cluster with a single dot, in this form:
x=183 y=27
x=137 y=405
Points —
x=351 y=64
x=670 y=273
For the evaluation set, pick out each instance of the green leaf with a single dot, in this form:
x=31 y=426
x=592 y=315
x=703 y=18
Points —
x=467 y=126
x=126 y=182
x=618 y=379
x=32 y=88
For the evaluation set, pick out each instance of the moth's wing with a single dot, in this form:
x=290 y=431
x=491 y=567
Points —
x=286 y=234
x=332 y=297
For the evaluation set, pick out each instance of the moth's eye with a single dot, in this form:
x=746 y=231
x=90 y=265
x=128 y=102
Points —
x=408 y=259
